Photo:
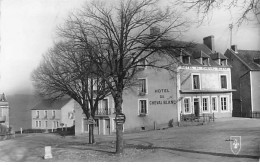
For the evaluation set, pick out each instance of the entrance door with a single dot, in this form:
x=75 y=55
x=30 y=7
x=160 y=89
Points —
x=85 y=125
x=107 y=126
x=196 y=106
x=96 y=127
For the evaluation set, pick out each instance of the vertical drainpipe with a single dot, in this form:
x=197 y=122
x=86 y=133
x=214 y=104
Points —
x=241 y=101
x=178 y=96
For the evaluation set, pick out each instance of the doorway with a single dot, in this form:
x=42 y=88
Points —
x=107 y=126
x=96 y=127
x=85 y=125
x=196 y=106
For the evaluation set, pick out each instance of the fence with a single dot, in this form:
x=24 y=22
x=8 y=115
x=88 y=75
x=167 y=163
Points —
x=202 y=118
x=5 y=132
x=247 y=114
x=255 y=115
x=63 y=131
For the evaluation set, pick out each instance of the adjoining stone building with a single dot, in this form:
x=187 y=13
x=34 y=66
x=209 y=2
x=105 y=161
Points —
x=201 y=85
x=4 y=111
x=52 y=115
x=246 y=80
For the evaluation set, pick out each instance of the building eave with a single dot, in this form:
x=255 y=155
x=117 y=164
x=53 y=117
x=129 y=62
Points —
x=206 y=91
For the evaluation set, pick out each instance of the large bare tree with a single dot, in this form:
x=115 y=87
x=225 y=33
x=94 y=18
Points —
x=126 y=35
x=249 y=9
x=66 y=71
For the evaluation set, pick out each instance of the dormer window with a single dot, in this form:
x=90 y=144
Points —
x=257 y=60
x=185 y=59
x=141 y=64
x=223 y=62
x=184 y=56
x=219 y=58
x=202 y=57
x=205 y=61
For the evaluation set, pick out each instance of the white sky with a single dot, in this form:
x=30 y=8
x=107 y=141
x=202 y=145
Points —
x=28 y=30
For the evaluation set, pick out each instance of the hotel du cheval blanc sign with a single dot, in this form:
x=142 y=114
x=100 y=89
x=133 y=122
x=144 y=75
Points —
x=162 y=100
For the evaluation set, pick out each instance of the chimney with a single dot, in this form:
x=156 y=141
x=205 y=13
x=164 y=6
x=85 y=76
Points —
x=209 y=42
x=234 y=48
x=154 y=31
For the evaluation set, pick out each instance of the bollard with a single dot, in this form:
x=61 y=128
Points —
x=48 y=154
x=21 y=129
x=154 y=125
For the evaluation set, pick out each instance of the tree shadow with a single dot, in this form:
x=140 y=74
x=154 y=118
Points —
x=192 y=151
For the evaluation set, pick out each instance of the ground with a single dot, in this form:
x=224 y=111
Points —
x=180 y=144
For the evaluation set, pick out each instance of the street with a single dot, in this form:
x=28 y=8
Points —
x=180 y=144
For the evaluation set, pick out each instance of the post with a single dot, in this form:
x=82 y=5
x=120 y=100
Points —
x=213 y=118
x=48 y=154
x=154 y=125
x=21 y=129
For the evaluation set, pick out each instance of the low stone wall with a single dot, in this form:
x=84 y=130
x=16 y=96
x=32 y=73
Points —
x=6 y=136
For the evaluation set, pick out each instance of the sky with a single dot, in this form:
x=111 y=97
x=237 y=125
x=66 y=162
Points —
x=28 y=30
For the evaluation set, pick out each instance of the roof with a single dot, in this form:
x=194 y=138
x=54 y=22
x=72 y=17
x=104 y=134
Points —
x=50 y=104
x=200 y=50
x=249 y=57
x=196 y=51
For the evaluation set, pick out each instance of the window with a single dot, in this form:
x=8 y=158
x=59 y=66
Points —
x=205 y=61
x=196 y=82
x=185 y=59
x=45 y=114
x=142 y=88
x=105 y=105
x=143 y=107
x=70 y=115
x=186 y=105
x=40 y=124
x=37 y=114
x=223 y=81
x=53 y=124
x=141 y=64
x=57 y=124
x=224 y=103
x=96 y=123
x=46 y=124
x=205 y=104
x=53 y=114
x=214 y=104
x=223 y=62
x=36 y=124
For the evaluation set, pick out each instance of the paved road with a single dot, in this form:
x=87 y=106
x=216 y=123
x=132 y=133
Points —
x=194 y=143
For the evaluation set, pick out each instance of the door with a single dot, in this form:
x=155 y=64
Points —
x=107 y=126
x=96 y=127
x=196 y=106
x=85 y=125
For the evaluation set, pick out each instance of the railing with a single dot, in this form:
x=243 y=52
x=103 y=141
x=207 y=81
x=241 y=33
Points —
x=247 y=114
x=201 y=118
x=103 y=112
x=255 y=114
x=2 y=119
x=141 y=93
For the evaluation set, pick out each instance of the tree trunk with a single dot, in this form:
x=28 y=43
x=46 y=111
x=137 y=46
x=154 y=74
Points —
x=119 y=127
x=91 y=134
